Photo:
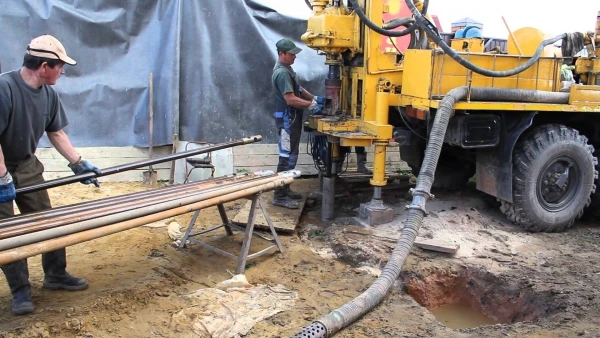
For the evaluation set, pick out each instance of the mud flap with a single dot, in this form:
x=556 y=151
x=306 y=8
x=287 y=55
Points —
x=494 y=165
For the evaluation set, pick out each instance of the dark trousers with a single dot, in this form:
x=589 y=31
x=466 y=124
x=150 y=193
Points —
x=346 y=150
x=54 y=263
x=290 y=130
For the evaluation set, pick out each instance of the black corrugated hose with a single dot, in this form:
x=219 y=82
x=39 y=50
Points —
x=365 y=302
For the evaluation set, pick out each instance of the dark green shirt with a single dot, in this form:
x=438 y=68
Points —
x=25 y=114
x=284 y=81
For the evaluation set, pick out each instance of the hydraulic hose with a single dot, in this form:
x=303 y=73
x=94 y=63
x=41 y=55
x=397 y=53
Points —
x=426 y=25
x=398 y=22
x=374 y=27
x=356 y=308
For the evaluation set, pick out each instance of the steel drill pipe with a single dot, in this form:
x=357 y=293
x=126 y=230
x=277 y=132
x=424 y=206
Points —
x=111 y=201
x=158 y=197
x=88 y=205
x=38 y=236
x=136 y=165
x=98 y=218
x=26 y=251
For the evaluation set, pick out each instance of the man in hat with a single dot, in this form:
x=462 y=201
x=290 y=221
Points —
x=29 y=106
x=290 y=100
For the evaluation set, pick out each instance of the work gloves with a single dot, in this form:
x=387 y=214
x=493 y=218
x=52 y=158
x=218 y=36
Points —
x=317 y=105
x=7 y=188
x=83 y=166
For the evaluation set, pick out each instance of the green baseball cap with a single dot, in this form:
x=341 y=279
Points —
x=286 y=45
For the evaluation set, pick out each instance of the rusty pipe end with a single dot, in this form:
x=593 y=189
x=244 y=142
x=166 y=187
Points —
x=252 y=139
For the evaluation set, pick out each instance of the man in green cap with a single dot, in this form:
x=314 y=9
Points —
x=290 y=100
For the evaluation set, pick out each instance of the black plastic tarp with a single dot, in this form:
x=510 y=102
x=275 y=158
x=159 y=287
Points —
x=211 y=63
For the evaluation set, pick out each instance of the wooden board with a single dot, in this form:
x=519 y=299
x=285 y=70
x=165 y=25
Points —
x=257 y=157
x=55 y=166
x=437 y=245
x=284 y=220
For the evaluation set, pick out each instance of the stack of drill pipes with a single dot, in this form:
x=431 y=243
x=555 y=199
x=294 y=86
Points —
x=46 y=220
x=17 y=241
x=22 y=252
x=102 y=215
x=109 y=201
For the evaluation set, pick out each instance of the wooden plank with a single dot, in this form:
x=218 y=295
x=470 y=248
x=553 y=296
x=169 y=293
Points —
x=437 y=245
x=89 y=153
x=304 y=169
x=284 y=220
x=245 y=159
x=272 y=148
x=62 y=164
x=266 y=159
x=127 y=176
x=271 y=160
x=311 y=170
x=421 y=242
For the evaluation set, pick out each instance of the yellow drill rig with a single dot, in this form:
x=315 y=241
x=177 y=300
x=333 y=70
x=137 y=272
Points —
x=458 y=111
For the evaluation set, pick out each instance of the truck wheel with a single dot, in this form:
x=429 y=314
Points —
x=592 y=212
x=553 y=178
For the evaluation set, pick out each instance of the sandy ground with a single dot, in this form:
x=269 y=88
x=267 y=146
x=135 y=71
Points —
x=535 y=285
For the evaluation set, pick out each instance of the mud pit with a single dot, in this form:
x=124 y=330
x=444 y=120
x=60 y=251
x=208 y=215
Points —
x=480 y=291
x=536 y=285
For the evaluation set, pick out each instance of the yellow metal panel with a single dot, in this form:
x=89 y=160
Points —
x=592 y=107
x=584 y=95
x=449 y=74
x=417 y=73
x=332 y=31
x=351 y=142
x=376 y=59
x=528 y=40
x=379 y=131
x=329 y=124
x=510 y=106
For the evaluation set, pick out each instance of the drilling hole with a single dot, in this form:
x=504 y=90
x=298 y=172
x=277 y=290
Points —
x=472 y=297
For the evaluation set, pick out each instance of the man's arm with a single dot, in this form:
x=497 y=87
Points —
x=306 y=94
x=61 y=142
x=295 y=101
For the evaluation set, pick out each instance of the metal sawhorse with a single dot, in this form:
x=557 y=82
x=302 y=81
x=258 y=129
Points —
x=229 y=226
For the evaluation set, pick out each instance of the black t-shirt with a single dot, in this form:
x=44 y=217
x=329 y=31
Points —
x=25 y=114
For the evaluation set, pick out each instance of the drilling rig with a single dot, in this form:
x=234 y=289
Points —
x=508 y=118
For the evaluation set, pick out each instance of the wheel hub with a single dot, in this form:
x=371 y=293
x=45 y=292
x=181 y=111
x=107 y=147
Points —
x=558 y=183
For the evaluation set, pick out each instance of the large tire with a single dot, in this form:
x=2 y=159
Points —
x=592 y=212
x=553 y=179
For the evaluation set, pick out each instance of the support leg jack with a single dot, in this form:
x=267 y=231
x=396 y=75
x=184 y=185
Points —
x=376 y=212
